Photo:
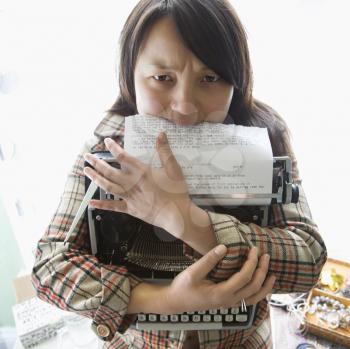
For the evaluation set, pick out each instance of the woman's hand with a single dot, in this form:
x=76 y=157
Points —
x=156 y=195
x=191 y=291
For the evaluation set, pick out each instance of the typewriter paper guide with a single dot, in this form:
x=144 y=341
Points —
x=217 y=160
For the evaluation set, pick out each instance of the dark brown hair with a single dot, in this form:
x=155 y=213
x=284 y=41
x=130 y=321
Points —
x=211 y=30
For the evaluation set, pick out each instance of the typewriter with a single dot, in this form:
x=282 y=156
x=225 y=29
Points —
x=154 y=255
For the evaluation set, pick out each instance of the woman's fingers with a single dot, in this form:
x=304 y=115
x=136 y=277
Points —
x=110 y=205
x=264 y=291
x=259 y=278
x=259 y=286
x=105 y=184
x=102 y=167
x=259 y=275
x=167 y=158
x=244 y=276
x=111 y=174
x=200 y=269
x=125 y=159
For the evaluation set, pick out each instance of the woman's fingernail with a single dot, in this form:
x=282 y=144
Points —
x=88 y=157
x=220 y=250
x=108 y=142
x=254 y=249
x=88 y=172
x=266 y=257
x=163 y=138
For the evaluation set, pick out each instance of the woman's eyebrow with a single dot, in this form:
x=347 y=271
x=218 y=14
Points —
x=164 y=65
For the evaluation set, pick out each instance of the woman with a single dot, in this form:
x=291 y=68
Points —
x=186 y=61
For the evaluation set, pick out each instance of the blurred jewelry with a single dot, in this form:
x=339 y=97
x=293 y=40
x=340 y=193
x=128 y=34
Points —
x=243 y=306
x=333 y=319
x=346 y=291
x=331 y=311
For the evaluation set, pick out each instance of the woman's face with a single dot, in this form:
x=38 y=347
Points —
x=170 y=82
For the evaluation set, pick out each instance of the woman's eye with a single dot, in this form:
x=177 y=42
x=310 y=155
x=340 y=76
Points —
x=161 y=77
x=207 y=78
x=212 y=78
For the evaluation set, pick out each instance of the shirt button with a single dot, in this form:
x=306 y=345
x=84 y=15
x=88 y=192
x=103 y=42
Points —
x=103 y=331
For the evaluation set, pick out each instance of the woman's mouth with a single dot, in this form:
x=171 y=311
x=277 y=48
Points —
x=183 y=122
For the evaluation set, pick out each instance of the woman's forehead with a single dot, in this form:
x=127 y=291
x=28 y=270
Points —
x=162 y=35
x=163 y=47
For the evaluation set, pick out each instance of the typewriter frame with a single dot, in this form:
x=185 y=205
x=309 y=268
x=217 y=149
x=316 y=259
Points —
x=117 y=250
x=283 y=191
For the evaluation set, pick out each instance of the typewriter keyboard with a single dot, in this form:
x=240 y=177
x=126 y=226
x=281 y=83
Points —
x=233 y=318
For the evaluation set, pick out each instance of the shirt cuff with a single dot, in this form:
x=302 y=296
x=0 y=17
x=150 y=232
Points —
x=111 y=316
x=230 y=232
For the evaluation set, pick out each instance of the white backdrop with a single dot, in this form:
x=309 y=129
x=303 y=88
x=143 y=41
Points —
x=63 y=55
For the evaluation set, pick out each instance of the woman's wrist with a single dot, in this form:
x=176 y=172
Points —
x=174 y=217
x=192 y=224
x=149 y=298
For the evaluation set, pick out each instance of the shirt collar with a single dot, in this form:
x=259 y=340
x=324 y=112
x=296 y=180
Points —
x=110 y=126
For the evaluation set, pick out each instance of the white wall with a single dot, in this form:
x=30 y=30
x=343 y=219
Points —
x=64 y=55
x=300 y=52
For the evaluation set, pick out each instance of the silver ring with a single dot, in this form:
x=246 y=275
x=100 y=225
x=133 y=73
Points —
x=243 y=306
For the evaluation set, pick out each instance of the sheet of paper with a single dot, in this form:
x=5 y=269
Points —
x=217 y=160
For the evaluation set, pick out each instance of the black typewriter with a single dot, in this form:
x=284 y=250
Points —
x=154 y=255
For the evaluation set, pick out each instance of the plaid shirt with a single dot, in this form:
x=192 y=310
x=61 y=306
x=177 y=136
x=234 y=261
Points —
x=69 y=277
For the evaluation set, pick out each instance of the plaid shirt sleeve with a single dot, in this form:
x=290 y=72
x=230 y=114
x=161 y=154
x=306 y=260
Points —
x=291 y=238
x=68 y=276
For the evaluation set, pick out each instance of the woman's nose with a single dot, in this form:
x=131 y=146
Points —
x=184 y=108
x=183 y=100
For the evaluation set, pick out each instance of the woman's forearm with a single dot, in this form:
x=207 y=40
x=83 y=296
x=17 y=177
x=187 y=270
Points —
x=198 y=232
x=149 y=298
x=193 y=226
